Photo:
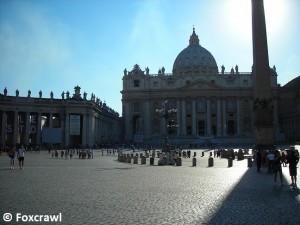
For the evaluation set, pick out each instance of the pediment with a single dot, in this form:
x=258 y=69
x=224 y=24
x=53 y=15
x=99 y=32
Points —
x=201 y=84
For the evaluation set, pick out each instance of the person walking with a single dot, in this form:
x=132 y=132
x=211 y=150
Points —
x=258 y=160
x=12 y=155
x=277 y=167
x=293 y=161
x=271 y=158
x=21 y=156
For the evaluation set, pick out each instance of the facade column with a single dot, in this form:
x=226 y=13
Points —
x=146 y=129
x=224 y=117
x=194 y=133
x=238 y=116
x=183 y=117
x=16 y=130
x=27 y=128
x=208 y=118
x=3 y=128
x=219 y=118
x=67 y=129
x=38 y=129
x=178 y=117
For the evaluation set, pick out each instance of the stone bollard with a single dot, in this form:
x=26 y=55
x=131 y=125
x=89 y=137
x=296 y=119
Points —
x=131 y=155
x=202 y=154
x=229 y=162
x=249 y=162
x=210 y=154
x=152 y=161
x=128 y=159
x=143 y=160
x=194 y=161
x=178 y=162
x=195 y=154
x=141 y=155
x=210 y=162
x=135 y=160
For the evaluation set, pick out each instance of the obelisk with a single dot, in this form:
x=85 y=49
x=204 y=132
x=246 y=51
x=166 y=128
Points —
x=263 y=107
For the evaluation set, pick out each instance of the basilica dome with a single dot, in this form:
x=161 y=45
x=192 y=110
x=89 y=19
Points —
x=195 y=59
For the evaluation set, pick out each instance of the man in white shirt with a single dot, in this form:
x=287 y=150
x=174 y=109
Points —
x=21 y=155
x=271 y=158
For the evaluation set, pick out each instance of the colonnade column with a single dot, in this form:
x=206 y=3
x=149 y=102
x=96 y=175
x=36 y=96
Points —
x=194 y=117
x=219 y=118
x=38 y=134
x=51 y=120
x=91 y=129
x=16 y=130
x=84 y=129
x=238 y=116
x=183 y=117
x=67 y=130
x=27 y=128
x=208 y=119
x=3 y=128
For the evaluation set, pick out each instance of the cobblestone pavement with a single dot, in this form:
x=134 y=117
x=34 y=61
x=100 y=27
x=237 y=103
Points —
x=105 y=191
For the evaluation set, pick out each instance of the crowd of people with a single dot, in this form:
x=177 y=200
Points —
x=274 y=160
x=81 y=153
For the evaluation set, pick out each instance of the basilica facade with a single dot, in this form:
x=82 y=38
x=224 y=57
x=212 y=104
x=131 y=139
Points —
x=196 y=103
x=62 y=122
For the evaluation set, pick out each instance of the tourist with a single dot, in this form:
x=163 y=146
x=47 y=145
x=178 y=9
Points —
x=271 y=158
x=293 y=160
x=12 y=155
x=277 y=167
x=258 y=160
x=21 y=156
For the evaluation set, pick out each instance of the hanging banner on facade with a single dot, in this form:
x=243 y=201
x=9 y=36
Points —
x=74 y=124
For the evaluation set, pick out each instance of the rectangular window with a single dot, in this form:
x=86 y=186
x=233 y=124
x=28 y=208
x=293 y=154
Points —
x=136 y=83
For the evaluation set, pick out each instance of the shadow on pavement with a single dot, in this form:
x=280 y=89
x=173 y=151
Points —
x=257 y=200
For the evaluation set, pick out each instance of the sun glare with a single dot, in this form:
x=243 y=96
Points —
x=275 y=11
x=239 y=16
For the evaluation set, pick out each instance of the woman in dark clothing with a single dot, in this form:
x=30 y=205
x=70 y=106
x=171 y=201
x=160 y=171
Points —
x=277 y=166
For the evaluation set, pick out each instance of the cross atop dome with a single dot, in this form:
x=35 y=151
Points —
x=194 y=40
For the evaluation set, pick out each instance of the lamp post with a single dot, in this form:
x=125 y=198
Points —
x=172 y=127
x=165 y=112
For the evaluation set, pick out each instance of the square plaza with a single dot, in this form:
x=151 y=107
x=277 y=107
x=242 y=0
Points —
x=104 y=191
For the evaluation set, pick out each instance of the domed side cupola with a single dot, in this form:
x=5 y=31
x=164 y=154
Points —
x=195 y=60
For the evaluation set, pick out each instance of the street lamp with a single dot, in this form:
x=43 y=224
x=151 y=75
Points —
x=172 y=127
x=165 y=111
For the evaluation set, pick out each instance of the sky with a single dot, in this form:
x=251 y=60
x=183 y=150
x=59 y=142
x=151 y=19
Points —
x=55 y=45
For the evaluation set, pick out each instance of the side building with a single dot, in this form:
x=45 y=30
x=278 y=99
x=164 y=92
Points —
x=71 y=121
x=289 y=110
x=194 y=104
